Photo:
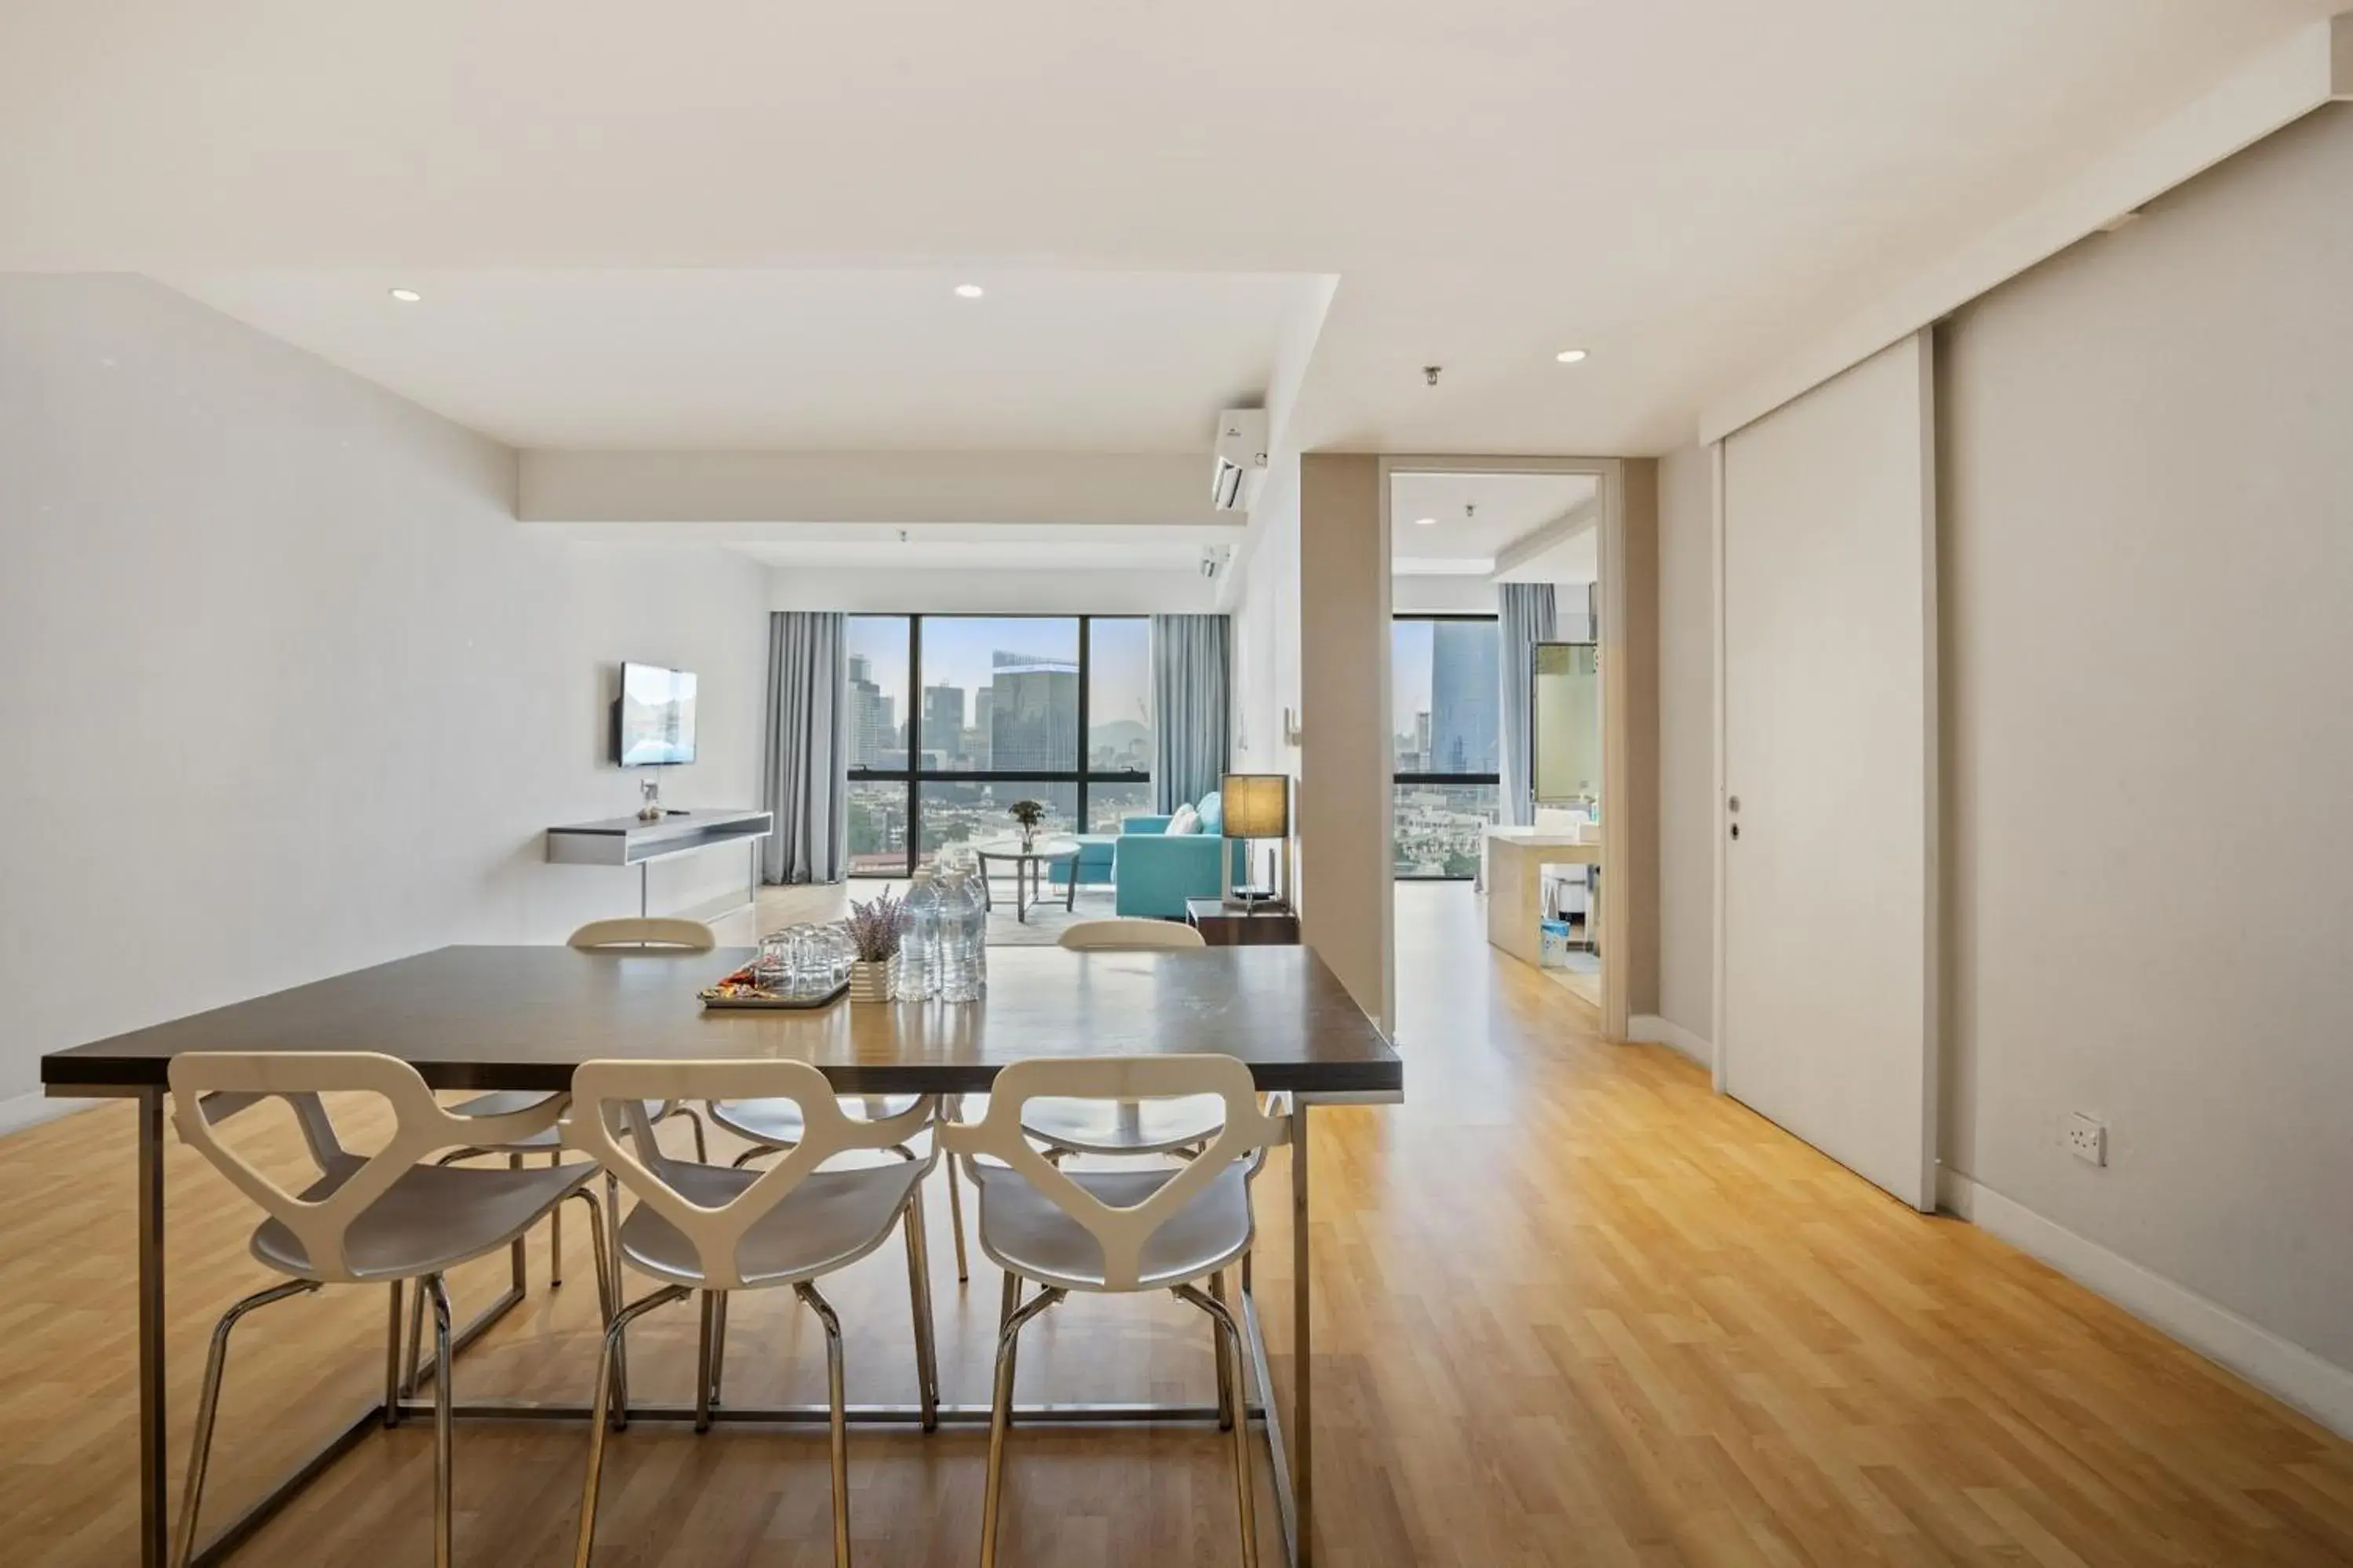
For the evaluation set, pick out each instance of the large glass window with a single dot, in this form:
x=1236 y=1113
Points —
x=1446 y=688
x=972 y=811
x=876 y=706
x=974 y=713
x=1119 y=696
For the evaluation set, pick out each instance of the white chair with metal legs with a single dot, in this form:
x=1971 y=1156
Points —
x=773 y=1127
x=1128 y=933
x=1118 y=1231
x=1126 y=1127
x=718 y=1229
x=387 y=1218
x=658 y=934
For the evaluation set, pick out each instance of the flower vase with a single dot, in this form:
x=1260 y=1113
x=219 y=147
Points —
x=869 y=980
x=1028 y=840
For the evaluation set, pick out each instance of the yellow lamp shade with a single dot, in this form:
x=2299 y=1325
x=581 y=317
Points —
x=1257 y=805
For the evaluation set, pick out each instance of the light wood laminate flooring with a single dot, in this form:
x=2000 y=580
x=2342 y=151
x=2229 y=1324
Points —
x=1572 y=1308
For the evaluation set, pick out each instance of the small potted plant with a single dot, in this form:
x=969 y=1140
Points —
x=1029 y=814
x=874 y=926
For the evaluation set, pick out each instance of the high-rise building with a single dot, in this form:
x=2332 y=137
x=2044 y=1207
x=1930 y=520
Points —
x=1033 y=713
x=869 y=715
x=1465 y=690
x=977 y=742
x=943 y=721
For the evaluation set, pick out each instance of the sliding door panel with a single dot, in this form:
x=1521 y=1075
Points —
x=1828 y=1004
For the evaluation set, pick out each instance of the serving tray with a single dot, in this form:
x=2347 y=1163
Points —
x=736 y=994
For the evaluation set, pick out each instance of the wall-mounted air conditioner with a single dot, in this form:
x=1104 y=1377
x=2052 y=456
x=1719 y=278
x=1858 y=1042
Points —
x=1241 y=452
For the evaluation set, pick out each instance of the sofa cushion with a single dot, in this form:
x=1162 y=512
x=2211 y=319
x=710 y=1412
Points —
x=1213 y=813
x=1185 y=821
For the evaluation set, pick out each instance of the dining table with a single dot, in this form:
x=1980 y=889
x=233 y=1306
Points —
x=524 y=1017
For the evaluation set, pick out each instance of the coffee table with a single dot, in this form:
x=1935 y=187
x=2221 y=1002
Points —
x=1029 y=863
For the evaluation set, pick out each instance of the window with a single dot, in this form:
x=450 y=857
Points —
x=951 y=718
x=1446 y=684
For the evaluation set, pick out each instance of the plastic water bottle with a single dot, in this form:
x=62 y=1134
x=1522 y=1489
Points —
x=963 y=930
x=944 y=943
x=917 y=978
x=975 y=894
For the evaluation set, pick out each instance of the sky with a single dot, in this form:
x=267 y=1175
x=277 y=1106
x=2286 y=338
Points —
x=1408 y=674
x=959 y=650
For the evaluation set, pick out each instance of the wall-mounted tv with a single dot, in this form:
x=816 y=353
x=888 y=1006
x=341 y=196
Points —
x=653 y=721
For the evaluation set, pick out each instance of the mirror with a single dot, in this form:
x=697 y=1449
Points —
x=1565 y=729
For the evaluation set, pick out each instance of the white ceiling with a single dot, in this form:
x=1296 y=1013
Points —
x=1688 y=188
x=934 y=547
x=1479 y=517
x=856 y=361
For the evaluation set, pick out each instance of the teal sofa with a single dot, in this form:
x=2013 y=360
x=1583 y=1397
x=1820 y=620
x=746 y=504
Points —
x=1153 y=873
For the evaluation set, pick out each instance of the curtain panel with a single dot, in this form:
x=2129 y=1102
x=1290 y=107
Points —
x=1529 y=615
x=802 y=771
x=1191 y=658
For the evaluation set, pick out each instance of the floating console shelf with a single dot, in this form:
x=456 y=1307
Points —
x=629 y=841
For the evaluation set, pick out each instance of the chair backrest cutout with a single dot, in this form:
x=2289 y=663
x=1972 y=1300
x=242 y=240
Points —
x=606 y=1093
x=1121 y=1233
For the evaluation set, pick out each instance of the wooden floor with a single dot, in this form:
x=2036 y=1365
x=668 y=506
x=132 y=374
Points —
x=1572 y=1308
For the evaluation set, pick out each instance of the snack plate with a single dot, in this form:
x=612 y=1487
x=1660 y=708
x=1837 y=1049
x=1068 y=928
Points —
x=736 y=994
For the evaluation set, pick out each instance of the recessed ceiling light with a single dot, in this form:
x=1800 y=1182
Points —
x=1425 y=522
x=970 y=290
x=406 y=296
x=1569 y=356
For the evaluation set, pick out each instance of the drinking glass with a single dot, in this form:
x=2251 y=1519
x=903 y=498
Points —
x=841 y=951
x=772 y=970
x=807 y=962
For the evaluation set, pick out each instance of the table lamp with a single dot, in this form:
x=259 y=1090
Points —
x=1257 y=805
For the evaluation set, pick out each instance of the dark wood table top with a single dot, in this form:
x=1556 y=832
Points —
x=524 y=1017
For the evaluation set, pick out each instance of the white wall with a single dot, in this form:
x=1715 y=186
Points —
x=1266 y=644
x=1414 y=594
x=1687 y=817
x=290 y=691
x=1010 y=593
x=1099 y=490
x=2147 y=452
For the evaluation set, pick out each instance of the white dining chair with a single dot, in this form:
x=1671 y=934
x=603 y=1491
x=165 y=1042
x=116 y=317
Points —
x=658 y=934
x=718 y=1229
x=773 y=1127
x=1126 y=1127
x=1130 y=933
x=1114 y=1232
x=386 y=1217
x=645 y=931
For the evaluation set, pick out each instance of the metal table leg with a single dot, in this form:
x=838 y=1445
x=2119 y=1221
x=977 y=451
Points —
x=154 y=1507
x=1291 y=1451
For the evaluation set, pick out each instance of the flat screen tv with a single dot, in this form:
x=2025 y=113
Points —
x=653 y=723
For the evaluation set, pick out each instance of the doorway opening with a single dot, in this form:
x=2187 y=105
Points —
x=1499 y=597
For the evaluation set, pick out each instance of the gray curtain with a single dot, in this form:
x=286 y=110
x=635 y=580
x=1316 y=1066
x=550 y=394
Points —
x=802 y=769
x=1190 y=657
x=1529 y=617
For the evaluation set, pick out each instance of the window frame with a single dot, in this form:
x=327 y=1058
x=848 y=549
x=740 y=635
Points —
x=1396 y=778
x=914 y=775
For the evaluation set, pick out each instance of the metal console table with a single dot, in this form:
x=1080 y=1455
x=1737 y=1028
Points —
x=632 y=841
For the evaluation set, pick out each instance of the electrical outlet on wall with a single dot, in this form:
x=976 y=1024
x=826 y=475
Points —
x=2086 y=1137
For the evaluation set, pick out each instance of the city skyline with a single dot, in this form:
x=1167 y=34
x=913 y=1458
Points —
x=999 y=693
x=1445 y=687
